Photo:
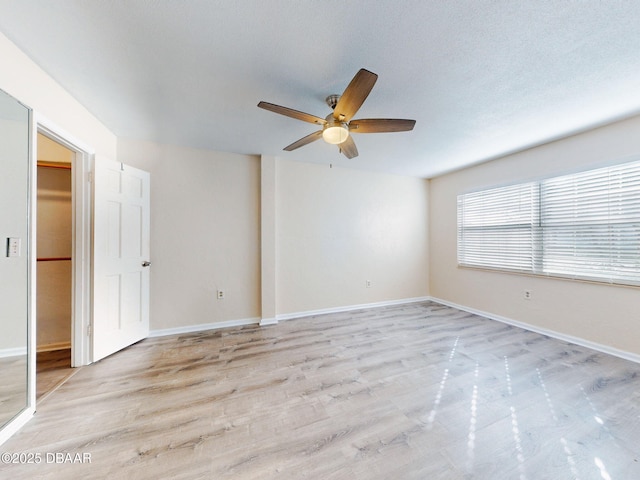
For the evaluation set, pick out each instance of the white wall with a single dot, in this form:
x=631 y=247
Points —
x=205 y=233
x=338 y=228
x=27 y=82
x=334 y=229
x=604 y=314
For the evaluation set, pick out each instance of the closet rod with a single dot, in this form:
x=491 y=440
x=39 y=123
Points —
x=63 y=166
x=53 y=259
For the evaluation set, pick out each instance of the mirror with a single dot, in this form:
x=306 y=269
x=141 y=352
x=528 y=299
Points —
x=14 y=256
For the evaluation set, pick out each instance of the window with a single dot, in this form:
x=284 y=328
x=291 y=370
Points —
x=496 y=228
x=582 y=226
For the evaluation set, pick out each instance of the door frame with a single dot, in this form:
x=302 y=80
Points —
x=81 y=250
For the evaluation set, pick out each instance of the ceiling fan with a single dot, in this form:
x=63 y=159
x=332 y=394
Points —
x=337 y=127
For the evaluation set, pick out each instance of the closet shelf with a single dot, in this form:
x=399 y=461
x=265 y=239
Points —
x=53 y=259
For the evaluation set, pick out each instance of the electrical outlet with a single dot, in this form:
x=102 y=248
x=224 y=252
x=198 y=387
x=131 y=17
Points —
x=220 y=294
x=368 y=283
x=527 y=294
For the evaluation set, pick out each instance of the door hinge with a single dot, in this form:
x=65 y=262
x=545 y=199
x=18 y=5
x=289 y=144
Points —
x=90 y=177
x=89 y=330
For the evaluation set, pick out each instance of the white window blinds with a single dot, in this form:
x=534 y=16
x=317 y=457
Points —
x=582 y=226
x=496 y=228
x=591 y=224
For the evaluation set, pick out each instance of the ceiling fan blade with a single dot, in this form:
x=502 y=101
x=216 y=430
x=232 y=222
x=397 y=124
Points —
x=290 y=112
x=354 y=95
x=348 y=148
x=304 y=141
x=379 y=125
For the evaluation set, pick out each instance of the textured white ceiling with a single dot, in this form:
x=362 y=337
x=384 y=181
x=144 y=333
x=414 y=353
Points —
x=482 y=78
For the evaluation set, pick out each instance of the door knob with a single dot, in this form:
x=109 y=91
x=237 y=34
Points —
x=146 y=263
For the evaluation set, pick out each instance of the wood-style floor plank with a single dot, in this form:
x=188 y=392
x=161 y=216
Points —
x=13 y=392
x=52 y=370
x=416 y=391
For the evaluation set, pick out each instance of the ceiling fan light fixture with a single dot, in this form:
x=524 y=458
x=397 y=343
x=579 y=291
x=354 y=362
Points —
x=337 y=125
x=336 y=133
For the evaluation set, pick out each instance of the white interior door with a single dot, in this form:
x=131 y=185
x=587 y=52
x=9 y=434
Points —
x=121 y=257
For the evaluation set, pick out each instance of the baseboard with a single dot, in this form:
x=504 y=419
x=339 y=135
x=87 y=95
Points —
x=348 y=308
x=13 y=352
x=204 y=326
x=268 y=321
x=308 y=313
x=273 y=321
x=51 y=347
x=543 y=331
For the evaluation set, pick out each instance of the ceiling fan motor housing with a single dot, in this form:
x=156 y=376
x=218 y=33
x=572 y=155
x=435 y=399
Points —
x=332 y=100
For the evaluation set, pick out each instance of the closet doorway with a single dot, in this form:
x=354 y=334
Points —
x=54 y=246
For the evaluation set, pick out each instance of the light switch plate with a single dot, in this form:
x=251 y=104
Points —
x=13 y=247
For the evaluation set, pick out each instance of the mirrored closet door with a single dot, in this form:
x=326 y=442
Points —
x=15 y=141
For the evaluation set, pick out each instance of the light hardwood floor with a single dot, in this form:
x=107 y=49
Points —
x=13 y=389
x=416 y=391
x=52 y=370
